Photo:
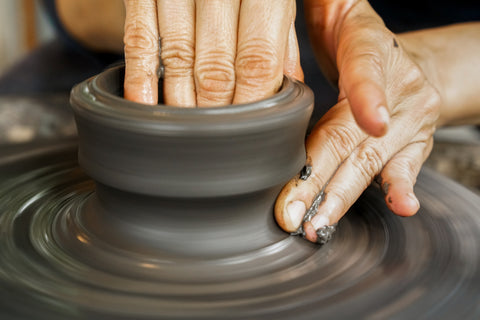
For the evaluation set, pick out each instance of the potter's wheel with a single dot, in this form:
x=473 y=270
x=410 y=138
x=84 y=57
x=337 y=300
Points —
x=377 y=266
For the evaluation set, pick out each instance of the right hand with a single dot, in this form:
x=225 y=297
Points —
x=351 y=145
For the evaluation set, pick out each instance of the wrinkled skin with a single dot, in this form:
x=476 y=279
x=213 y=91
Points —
x=221 y=52
x=214 y=52
x=374 y=72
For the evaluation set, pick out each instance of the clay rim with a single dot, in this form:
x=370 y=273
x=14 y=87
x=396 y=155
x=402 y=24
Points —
x=97 y=98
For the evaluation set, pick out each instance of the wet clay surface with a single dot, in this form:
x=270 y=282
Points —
x=164 y=232
x=57 y=264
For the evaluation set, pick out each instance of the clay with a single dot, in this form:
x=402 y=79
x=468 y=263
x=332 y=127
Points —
x=395 y=43
x=306 y=172
x=325 y=233
x=179 y=169
x=170 y=152
x=177 y=222
x=54 y=266
x=385 y=187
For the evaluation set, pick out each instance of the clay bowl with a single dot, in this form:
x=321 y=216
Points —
x=200 y=180
x=178 y=223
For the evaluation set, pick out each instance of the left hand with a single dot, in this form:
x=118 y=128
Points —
x=354 y=143
x=214 y=52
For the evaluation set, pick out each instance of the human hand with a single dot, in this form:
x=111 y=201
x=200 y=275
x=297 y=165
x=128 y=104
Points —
x=213 y=52
x=351 y=145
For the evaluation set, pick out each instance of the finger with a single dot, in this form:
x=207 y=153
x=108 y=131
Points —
x=355 y=174
x=176 y=22
x=399 y=176
x=216 y=45
x=344 y=188
x=141 y=51
x=291 y=66
x=361 y=81
x=331 y=142
x=262 y=38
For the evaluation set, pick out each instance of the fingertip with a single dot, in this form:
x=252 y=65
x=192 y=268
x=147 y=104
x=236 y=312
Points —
x=368 y=105
x=144 y=94
x=280 y=208
x=141 y=90
x=373 y=121
x=293 y=215
x=290 y=209
x=310 y=232
x=403 y=204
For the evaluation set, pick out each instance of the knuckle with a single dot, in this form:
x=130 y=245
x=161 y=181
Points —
x=313 y=185
x=369 y=161
x=404 y=166
x=340 y=196
x=140 y=40
x=177 y=55
x=257 y=63
x=429 y=103
x=215 y=74
x=340 y=139
x=432 y=105
x=413 y=79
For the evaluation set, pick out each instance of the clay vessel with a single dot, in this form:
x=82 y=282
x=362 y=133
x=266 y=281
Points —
x=197 y=182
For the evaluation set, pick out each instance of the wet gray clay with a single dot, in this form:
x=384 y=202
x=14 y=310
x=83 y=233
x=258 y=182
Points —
x=204 y=179
x=178 y=223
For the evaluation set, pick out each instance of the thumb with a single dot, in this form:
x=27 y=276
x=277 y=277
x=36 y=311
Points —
x=361 y=82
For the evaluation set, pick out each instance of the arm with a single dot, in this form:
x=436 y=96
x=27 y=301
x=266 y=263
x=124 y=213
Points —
x=450 y=59
x=96 y=24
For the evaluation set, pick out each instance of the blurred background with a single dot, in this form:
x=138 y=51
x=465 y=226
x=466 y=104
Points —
x=39 y=64
x=23 y=26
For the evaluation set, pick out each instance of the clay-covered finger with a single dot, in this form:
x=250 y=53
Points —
x=176 y=21
x=262 y=39
x=399 y=175
x=356 y=173
x=141 y=51
x=350 y=180
x=331 y=142
x=216 y=45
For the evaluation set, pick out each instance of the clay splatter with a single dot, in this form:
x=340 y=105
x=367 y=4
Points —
x=395 y=43
x=306 y=172
x=324 y=234
x=385 y=187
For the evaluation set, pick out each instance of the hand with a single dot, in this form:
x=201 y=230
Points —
x=374 y=72
x=213 y=52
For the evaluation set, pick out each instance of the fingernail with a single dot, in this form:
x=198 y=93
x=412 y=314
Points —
x=384 y=115
x=320 y=221
x=295 y=212
x=414 y=198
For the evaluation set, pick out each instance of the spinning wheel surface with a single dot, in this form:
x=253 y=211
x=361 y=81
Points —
x=378 y=266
